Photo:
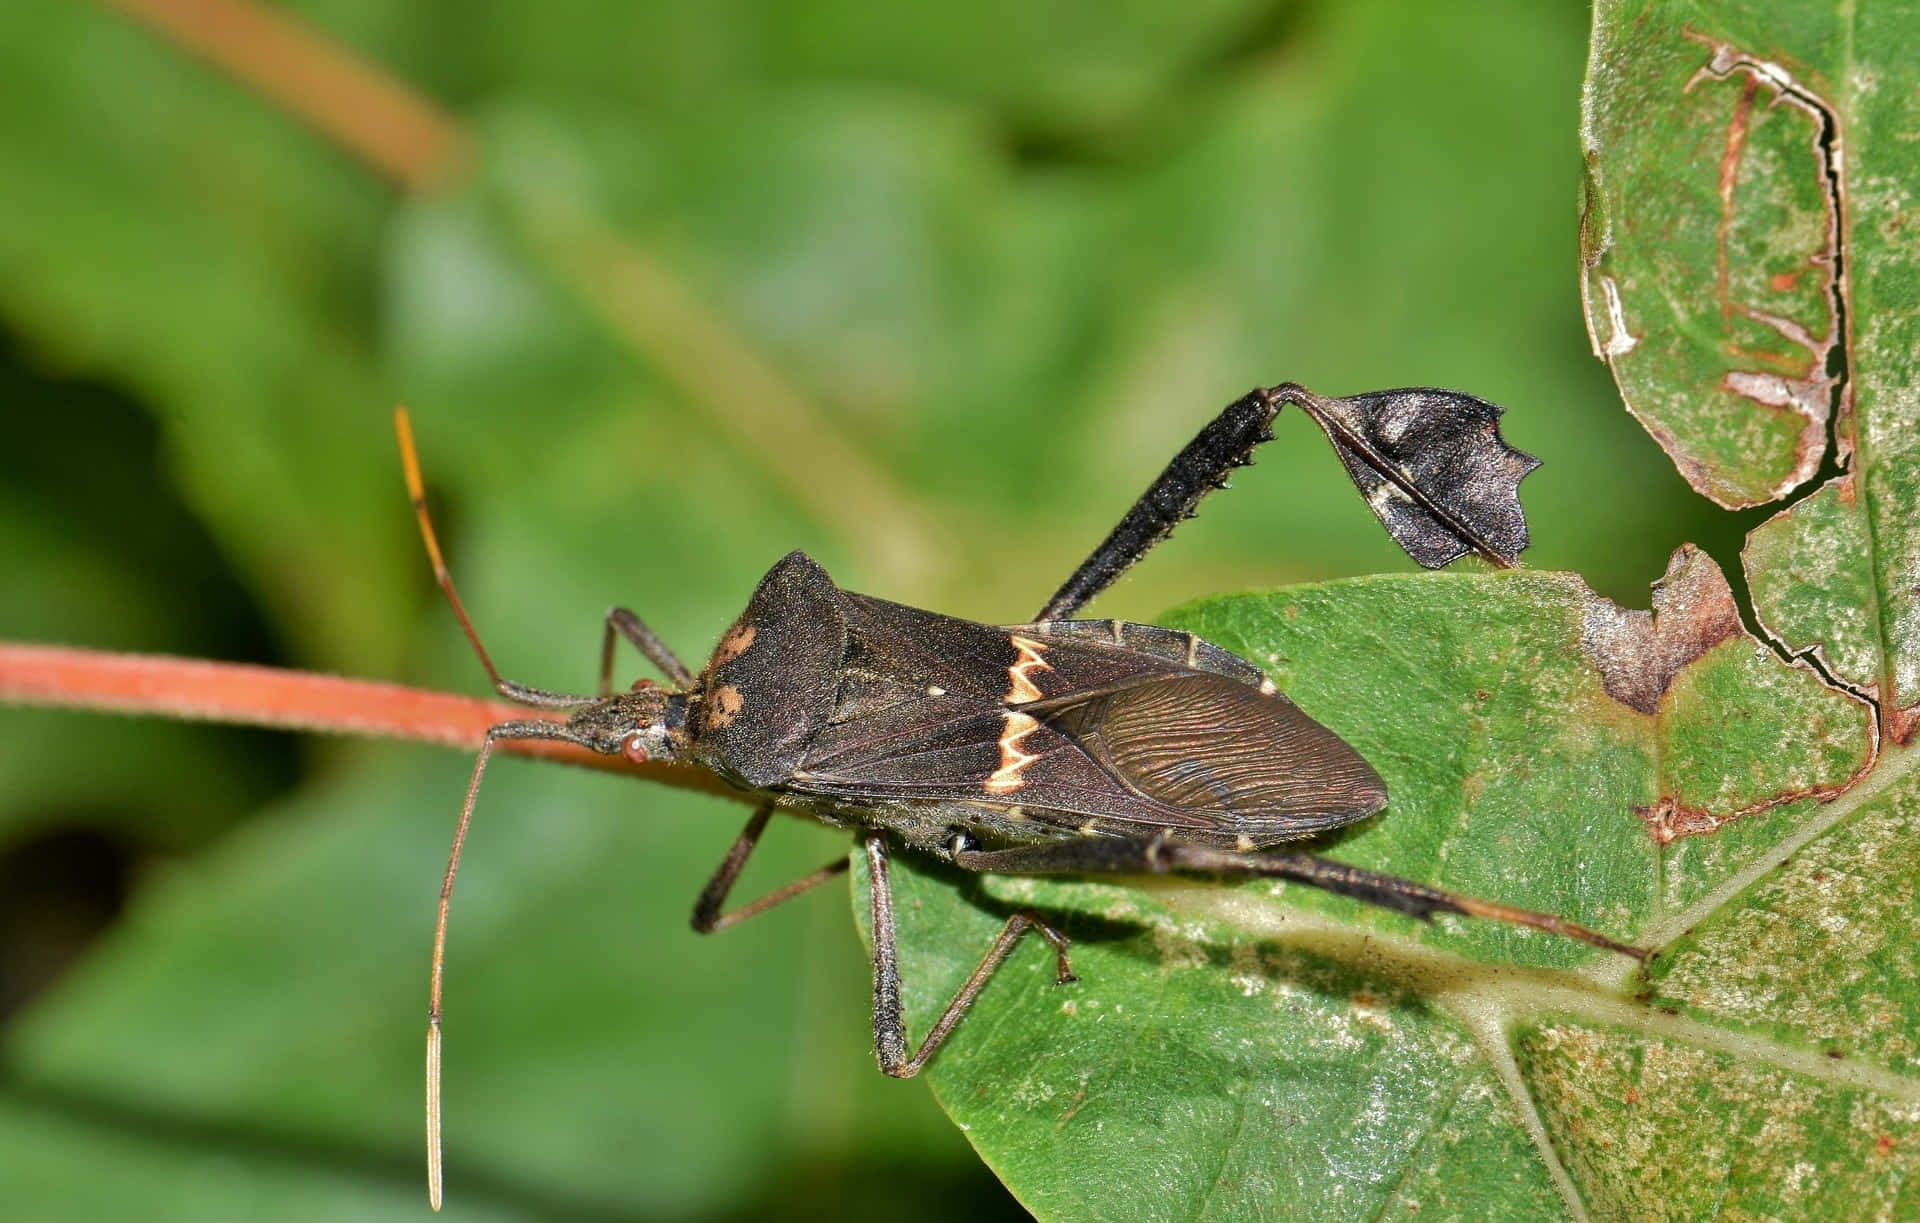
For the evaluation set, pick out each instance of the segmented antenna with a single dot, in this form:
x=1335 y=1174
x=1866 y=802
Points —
x=533 y=728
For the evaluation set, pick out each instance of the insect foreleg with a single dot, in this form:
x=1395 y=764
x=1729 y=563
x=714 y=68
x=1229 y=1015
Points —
x=1113 y=855
x=889 y=1024
x=624 y=623
x=707 y=916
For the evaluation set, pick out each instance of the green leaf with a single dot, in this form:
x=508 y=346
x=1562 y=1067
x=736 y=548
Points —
x=1268 y=1048
x=219 y=277
x=1661 y=779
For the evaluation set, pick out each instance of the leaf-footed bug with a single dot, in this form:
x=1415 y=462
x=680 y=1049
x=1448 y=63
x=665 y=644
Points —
x=1058 y=746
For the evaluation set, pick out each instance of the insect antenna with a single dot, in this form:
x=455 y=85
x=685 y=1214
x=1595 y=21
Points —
x=417 y=493
x=532 y=728
x=529 y=728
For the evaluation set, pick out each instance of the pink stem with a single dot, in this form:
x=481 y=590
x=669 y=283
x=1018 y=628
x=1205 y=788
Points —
x=155 y=685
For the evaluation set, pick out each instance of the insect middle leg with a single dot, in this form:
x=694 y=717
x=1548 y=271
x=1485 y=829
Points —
x=707 y=916
x=889 y=1023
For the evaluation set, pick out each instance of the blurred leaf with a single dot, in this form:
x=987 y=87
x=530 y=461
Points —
x=256 y=1018
x=213 y=258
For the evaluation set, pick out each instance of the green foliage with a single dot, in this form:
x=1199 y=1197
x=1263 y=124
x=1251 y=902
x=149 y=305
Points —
x=931 y=300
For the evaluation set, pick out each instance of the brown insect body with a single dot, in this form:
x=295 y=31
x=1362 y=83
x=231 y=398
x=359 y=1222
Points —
x=1056 y=747
x=845 y=704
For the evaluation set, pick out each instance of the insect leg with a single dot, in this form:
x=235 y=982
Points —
x=1226 y=443
x=645 y=640
x=707 y=916
x=889 y=1023
x=1091 y=856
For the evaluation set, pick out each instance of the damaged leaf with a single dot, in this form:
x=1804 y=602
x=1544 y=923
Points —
x=1639 y=653
x=1266 y=1052
x=1432 y=466
x=1812 y=581
x=1709 y=245
x=1661 y=775
x=1751 y=244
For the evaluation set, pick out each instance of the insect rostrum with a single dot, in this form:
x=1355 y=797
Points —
x=1059 y=746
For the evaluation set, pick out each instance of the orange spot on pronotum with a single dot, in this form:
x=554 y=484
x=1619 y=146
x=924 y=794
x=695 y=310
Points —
x=735 y=644
x=723 y=705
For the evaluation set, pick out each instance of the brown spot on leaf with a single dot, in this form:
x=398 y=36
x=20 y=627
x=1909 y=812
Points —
x=1883 y=1145
x=1901 y=724
x=734 y=644
x=723 y=704
x=1638 y=653
x=1667 y=821
x=1472 y=786
x=1782 y=282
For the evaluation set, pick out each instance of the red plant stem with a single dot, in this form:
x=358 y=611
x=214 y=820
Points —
x=155 y=685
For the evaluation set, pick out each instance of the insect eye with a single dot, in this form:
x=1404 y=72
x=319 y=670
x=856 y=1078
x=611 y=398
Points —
x=634 y=747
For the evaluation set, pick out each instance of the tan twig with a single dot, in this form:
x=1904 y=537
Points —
x=745 y=396
x=327 y=86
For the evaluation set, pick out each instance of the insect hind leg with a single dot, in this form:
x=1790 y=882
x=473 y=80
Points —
x=1227 y=442
x=1121 y=856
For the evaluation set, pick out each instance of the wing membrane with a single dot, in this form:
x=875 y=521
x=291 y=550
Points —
x=1205 y=743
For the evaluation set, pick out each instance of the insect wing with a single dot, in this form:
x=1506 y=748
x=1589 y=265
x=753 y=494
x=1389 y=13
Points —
x=1210 y=759
x=1254 y=764
x=1090 y=725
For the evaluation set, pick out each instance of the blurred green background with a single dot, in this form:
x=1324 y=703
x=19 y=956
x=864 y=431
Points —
x=931 y=294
